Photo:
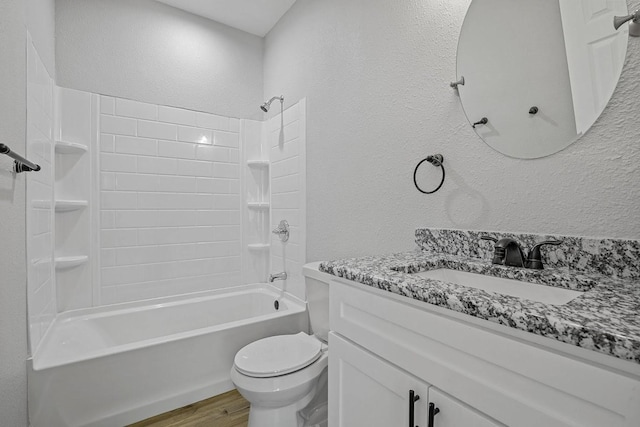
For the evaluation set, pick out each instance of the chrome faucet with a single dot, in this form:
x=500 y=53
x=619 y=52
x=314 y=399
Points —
x=277 y=276
x=508 y=252
x=282 y=230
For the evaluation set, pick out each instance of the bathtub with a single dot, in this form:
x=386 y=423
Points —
x=114 y=365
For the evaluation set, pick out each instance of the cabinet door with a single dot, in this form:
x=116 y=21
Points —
x=453 y=413
x=366 y=391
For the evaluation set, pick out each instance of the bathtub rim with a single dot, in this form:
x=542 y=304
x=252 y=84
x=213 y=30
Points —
x=294 y=306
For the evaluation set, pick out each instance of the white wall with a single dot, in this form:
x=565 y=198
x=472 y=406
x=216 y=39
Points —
x=170 y=201
x=13 y=304
x=376 y=76
x=151 y=52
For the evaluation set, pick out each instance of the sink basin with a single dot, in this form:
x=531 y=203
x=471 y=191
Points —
x=515 y=288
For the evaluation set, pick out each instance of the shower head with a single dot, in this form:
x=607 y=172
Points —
x=265 y=107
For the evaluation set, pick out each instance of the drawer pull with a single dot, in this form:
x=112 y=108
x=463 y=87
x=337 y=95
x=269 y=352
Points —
x=433 y=411
x=413 y=398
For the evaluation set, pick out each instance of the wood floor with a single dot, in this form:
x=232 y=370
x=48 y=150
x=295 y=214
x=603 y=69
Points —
x=226 y=410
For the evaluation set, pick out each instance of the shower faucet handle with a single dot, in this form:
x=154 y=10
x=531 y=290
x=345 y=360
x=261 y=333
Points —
x=282 y=230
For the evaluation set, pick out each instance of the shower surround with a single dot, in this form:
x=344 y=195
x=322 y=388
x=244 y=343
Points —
x=148 y=204
x=170 y=214
x=153 y=201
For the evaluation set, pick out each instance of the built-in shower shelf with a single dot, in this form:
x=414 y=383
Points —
x=258 y=205
x=64 y=147
x=258 y=246
x=258 y=163
x=70 y=205
x=67 y=262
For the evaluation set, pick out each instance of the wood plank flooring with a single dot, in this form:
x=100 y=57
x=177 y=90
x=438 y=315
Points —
x=226 y=410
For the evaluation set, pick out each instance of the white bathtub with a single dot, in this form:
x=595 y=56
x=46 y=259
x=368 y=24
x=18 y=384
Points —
x=114 y=365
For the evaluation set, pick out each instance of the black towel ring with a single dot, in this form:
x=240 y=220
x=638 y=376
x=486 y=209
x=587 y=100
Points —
x=435 y=160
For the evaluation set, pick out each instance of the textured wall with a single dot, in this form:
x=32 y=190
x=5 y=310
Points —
x=151 y=52
x=13 y=304
x=376 y=75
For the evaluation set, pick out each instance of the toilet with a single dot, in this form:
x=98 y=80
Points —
x=285 y=377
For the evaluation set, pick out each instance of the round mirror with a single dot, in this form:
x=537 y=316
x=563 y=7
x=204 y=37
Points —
x=537 y=74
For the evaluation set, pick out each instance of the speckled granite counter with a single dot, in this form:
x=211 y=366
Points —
x=606 y=318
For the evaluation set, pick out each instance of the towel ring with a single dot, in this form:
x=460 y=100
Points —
x=435 y=160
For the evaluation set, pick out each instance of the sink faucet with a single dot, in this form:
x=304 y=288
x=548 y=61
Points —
x=508 y=252
x=277 y=276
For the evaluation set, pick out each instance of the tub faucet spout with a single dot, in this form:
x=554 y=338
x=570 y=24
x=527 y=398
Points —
x=277 y=276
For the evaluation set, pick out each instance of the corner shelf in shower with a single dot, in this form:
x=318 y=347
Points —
x=258 y=246
x=68 y=262
x=258 y=205
x=258 y=163
x=64 y=147
x=70 y=205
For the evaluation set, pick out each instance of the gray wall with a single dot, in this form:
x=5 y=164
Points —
x=151 y=52
x=13 y=291
x=376 y=76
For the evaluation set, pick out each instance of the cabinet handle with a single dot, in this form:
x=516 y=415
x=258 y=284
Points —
x=433 y=411
x=413 y=398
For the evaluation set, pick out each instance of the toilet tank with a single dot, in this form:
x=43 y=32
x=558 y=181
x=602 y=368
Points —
x=317 y=286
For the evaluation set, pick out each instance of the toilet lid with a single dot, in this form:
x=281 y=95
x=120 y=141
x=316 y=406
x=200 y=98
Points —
x=279 y=355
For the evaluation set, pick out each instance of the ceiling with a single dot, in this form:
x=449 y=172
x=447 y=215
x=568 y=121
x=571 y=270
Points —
x=253 y=16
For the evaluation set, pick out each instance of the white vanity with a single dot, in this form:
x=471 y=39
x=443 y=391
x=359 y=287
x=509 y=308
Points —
x=466 y=370
x=383 y=346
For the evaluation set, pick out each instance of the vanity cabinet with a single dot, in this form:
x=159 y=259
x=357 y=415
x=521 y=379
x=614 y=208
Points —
x=369 y=391
x=383 y=345
x=453 y=413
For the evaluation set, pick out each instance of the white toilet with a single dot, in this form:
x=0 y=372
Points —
x=285 y=377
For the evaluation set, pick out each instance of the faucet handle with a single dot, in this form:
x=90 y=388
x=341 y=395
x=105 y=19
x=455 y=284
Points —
x=493 y=239
x=282 y=230
x=534 y=260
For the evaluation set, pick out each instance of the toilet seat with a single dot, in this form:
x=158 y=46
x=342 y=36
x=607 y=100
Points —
x=279 y=355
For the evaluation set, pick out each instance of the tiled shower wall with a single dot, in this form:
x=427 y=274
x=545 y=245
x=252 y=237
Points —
x=287 y=144
x=170 y=201
x=41 y=292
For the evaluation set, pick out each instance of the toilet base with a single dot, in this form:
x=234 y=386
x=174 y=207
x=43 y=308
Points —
x=286 y=416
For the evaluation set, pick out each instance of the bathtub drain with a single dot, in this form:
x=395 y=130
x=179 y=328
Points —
x=276 y=304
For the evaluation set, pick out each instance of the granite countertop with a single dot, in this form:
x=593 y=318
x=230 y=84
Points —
x=605 y=318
